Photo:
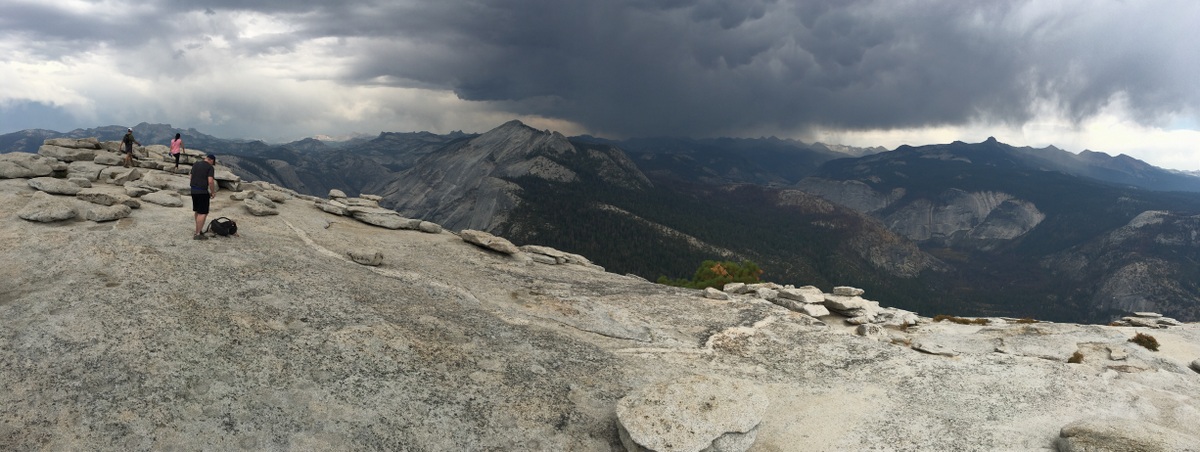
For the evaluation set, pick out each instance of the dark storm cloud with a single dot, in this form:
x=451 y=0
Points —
x=704 y=67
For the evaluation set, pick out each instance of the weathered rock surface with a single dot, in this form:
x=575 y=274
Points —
x=21 y=165
x=55 y=186
x=67 y=154
x=692 y=414
x=46 y=208
x=1114 y=435
x=164 y=198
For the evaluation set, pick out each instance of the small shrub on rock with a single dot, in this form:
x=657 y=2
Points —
x=1076 y=358
x=1146 y=340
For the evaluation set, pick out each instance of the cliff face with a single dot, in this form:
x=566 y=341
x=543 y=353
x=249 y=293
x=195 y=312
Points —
x=127 y=334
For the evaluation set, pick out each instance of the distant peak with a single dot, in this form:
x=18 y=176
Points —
x=991 y=140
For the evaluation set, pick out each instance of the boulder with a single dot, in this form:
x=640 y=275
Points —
x=24 y=165
x=55 y=186
x=98 y=196
x=489 y=241
x=337 y=194
x=100 y=213
x=273 y=195
x=369 y=258
x=430 y=227
x=736 y=288
x=870 y=330
x=384 y=218
x=359 y=202
x=844 y=302
x=163 y=181
x=713 y=293
x=1100 y=435
x=1196 y=365
x=542 y=259
x=164 y=198
x=67 y=154
x=260 y=206
x=46 y=208
x=82 y=182
x=333 y=207
x=815 y=310
x=559 y=256
x=123 y=176
x=375 y=198
x=85 y=170
x=138 y=191
x=806 y=294
x=847 y=291
x=691 y=414
x=74 y=143
x=108 y=159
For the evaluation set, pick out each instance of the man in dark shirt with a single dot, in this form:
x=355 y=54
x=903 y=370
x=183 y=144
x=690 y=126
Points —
x=204 y=188
x=128 y=142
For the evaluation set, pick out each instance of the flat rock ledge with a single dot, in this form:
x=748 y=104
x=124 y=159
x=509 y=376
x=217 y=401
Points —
x=1105 y=435
x=489 y=241
x=692 y=414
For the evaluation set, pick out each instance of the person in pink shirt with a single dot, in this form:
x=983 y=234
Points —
x=176 y=149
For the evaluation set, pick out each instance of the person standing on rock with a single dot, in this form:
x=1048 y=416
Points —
x=127 y=143
x=177 y=148
x=204 y=188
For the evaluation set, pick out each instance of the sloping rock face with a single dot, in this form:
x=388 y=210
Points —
x=130 y=335
x=480 y=173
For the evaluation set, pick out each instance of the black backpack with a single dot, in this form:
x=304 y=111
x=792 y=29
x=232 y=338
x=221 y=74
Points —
x=223 y=227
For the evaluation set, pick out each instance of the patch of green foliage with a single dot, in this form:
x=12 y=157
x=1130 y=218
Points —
x=718 y=274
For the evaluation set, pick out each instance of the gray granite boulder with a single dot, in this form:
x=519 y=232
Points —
x=368 y=258
x=384 y=218
x=691 y=414
x=489 y=241
x=24 y=165
x=260 y=206
x=101 y=213
x=337 y=194
x=109 y=159
x=75 y=143
x=67 y=154
x=55 y=186
x=164 y=198
x=430 y=227
x=1195 y=365
x=334 y=207
x=46 y=208
x=714 y=294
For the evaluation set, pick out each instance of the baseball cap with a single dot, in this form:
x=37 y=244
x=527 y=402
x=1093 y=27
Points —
x=129 y=129
x=210 y=156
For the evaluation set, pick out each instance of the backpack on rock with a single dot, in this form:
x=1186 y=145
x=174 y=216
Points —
x=223 y=227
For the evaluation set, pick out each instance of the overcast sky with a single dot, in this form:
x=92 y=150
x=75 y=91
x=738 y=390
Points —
x=1110 y=76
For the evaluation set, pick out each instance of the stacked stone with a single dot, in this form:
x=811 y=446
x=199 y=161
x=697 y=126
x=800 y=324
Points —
x=550 y=256
x=844 y=301
x=366 y=209
x=1147 y=320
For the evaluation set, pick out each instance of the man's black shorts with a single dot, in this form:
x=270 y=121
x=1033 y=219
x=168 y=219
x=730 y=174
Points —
x=200 y=203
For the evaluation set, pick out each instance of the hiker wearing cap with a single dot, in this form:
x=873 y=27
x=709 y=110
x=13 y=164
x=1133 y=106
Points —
x=128 y=142
x=204 y=188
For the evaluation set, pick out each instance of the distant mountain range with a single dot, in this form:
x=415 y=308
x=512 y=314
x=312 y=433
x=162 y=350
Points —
x=968 y=229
